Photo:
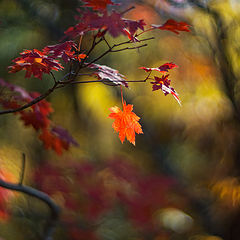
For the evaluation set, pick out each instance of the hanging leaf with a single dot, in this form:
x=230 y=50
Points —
x=126 y=122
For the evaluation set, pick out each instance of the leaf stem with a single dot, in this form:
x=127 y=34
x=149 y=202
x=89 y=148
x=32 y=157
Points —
x=121 y=94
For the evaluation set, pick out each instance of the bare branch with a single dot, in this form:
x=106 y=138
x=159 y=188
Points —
x=54 y=79
x=129 y=48
x=127 y=10
x=55 y=210
x=72 y=80
x=106 y=42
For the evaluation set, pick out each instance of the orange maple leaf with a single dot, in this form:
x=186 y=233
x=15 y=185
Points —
x=126 y=122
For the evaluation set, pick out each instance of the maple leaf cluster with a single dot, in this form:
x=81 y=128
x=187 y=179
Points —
x=94 y=16
x=37 y=62
x=37 y=116
x=104 y=22
x=114 y=23
x=163 y=82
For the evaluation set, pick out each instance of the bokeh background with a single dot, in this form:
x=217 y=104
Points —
x=181 y=180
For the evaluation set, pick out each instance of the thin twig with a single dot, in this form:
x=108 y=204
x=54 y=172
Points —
x=53 y=77
x=106 y=42
x=79 y=82
x=147 y=30
x=127 y=10
x=129 y=48
x=72 y=80
x=110 y=49
x=96 y=59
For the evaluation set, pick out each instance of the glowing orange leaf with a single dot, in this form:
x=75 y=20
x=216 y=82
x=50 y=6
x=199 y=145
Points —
x=126 y=122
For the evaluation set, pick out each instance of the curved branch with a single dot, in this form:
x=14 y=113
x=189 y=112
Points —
x=55 y=210
x=34 y=101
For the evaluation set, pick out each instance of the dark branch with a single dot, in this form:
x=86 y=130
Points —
x=127 y=10
x=129 y=48
x=55 y=210
x=36 y=100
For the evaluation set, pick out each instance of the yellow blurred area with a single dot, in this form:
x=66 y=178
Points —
x=97 y=98
x=228 y=191
x=202 y=237
x=11 y=161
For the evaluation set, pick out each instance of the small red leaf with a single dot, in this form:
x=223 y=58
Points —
x=163 y=68
x=163 y=83
x=173 y=26
x=35 y=63
x=53 y=142
x=132 y=27
x=64 y=135
x=61 y=50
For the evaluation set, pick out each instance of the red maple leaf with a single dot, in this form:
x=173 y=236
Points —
x=35 y=119
x=163 y=68
x=61 y=50
x=132 y=26
x=37 y=116
x=51 y=141
x=57 y=139
x=173 y=26
x=112 y=23
x=163 y=83
x=35 y=63
x=164 y=80
x=126 y=122
x=88 y=21
x=98 y=4
x=64 y=135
